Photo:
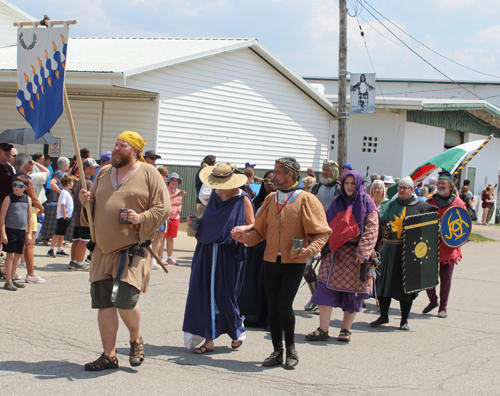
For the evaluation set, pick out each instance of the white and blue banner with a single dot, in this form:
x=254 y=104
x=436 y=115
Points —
x=362 y=99
x=41 y=63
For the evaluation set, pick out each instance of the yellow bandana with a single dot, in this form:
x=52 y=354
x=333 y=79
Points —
x=135 y=140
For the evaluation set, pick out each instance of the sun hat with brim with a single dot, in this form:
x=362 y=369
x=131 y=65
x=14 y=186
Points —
x=222 y=177
x=174 y=175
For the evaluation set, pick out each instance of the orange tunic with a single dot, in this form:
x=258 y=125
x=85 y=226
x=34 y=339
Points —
x=304 y=218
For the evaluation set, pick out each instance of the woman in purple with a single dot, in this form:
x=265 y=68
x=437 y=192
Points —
x=353 y=218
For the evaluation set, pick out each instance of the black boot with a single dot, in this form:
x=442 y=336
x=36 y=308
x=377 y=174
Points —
x=380 y=321
x=405 y=313
x=274 y=359
x=292 y=359
x=385 y=303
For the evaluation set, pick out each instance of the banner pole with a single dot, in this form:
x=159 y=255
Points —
x=472 y=155
x=79 y=160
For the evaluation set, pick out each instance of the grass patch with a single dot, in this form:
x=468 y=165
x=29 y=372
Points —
x=479 y=238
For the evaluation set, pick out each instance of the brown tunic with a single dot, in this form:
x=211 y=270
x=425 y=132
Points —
x=145 y=193
x=304 y=218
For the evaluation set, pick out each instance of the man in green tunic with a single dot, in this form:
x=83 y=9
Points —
x=389 y=283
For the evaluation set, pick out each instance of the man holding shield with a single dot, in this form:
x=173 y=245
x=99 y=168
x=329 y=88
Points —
x=128 y=201
x=448 y=256
x=389 y=284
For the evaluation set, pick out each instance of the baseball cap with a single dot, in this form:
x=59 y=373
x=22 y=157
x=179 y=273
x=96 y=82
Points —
x=90 y=162
x=151 y=153
x=347 y=165
x=106 y=156
x=432 y=180
x=250 y=164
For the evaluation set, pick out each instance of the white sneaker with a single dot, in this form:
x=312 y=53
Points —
x=21 y=265
x=34 y=279
x=442 y=314
x=155 y=265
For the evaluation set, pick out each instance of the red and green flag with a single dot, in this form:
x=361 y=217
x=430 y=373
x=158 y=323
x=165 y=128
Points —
x=449 y=160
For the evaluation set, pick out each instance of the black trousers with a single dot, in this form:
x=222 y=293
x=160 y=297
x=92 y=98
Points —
x=385 y=303
x=282 y=283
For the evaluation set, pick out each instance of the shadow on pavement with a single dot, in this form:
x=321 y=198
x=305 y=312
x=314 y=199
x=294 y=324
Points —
x=183 y=357
x=55 y=369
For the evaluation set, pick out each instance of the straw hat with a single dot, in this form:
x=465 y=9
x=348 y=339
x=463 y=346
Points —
x=222 y=177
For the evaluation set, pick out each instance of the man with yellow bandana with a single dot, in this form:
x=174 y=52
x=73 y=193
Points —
x=389 y=282
x=128 y=201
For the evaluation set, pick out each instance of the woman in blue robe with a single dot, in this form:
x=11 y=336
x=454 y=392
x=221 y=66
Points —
x=218 y=263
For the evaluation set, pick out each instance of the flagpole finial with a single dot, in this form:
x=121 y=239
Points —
x=43 y=22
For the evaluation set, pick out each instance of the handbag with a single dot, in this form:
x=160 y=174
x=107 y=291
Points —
x=472 y=214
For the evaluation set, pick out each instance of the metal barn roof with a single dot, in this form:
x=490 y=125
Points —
x=127 y=57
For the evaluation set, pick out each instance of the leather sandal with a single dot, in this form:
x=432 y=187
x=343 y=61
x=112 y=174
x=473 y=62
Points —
x=103 y=363
x=201 y=350
x=235 y=344
x=318 y=335
x=344 y=336
x=136 y=356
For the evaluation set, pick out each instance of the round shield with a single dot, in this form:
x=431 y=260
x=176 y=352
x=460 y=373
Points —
x=456 y=226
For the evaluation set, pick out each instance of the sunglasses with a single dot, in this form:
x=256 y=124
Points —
x=18 y=185
x=267 y=180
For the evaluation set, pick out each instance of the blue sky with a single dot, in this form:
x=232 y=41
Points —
x=304 y=33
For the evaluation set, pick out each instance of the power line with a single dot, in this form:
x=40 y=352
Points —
x=430 y=49
x=387 y=38
x=420 y=56
x=355 y=5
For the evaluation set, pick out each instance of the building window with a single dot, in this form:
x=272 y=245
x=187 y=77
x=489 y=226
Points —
x=453 y=138
x=370 y=144
x=332 y=143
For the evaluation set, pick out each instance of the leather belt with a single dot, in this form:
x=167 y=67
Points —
x=116 y=283
x=392 y=241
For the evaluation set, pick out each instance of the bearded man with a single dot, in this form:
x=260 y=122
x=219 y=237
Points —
x=448 y=256
x=325 y=190
x=128 y=201
x=329 y=186
x=389 y=283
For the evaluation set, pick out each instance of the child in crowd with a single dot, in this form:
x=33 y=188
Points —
x=175 y=209
x=16 y=210
x=64 y=213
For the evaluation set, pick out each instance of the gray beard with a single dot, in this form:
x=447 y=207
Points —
x=326 y=180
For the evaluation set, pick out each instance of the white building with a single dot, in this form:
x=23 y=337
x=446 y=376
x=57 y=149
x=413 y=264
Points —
x=416 y=120
x=188 y=97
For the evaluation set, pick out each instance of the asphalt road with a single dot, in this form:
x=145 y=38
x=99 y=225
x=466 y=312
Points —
x=49 y=332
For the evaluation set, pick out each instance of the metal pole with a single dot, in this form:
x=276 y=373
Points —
x=342 y=130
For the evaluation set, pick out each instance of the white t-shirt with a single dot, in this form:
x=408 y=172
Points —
x=65 y=198
x=39 y=179
x=204 y=194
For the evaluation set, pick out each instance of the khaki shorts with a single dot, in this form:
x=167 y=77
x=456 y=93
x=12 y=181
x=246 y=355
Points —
x=100 y=292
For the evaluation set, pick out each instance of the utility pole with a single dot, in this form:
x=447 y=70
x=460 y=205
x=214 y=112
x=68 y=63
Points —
x=342 y=130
